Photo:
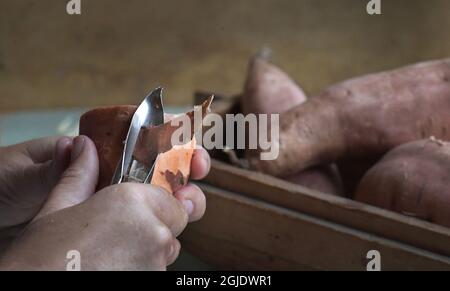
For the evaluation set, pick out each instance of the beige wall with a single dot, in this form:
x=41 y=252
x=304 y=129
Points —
x=117 y=50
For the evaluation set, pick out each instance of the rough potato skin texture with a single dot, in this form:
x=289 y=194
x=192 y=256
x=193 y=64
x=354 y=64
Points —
x=107 y=127
x=269 y=90
x=365 y=116
x=412 y=179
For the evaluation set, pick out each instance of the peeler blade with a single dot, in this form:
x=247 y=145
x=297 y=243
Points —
x=149 y=113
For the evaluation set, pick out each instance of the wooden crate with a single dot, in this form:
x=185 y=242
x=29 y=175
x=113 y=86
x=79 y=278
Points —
x=257 y=222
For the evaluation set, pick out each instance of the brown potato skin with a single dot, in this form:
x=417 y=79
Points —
x=325 y=179
x=269 y=90
x=107 y=127
x=412 y=179
x=365 y=116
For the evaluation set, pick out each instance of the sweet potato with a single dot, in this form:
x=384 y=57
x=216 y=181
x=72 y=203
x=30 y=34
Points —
x=269 y=90
x=108 y=127
x=325 y=179
x=412 y=179
x=363 y=117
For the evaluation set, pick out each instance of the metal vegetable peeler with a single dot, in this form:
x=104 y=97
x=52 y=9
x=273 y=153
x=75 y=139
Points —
x=149 y=113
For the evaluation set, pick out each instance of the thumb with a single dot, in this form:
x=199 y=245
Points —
x=78 y=181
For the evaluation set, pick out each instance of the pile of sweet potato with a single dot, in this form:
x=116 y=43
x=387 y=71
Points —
x=379 y=138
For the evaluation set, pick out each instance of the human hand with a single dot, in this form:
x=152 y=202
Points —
x=28 y=172
x=128 y=226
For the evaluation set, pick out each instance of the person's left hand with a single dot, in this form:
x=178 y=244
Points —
x=28 y=172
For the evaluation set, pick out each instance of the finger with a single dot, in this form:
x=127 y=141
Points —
x=39 y=179
x=165 y=206
x=40 y=150
x=174 y=252
x=192 y=197
x=78 y=181
x=47 y=174
x=200 y=164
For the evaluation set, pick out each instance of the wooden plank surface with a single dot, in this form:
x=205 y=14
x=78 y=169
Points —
x=242 y=233
x=118 y=50
x=335 y=209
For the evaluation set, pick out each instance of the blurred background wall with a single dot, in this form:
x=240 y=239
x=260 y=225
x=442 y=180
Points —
x=116 y=51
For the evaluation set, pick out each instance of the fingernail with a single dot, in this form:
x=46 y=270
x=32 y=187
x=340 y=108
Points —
x=189 y=206
x=78 y=144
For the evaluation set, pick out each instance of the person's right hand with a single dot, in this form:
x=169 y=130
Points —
x=122 y=227
x=128 y=226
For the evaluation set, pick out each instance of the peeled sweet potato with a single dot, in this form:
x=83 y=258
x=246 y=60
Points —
x=108 y=127
x=269 y=90
x=363 y=117
x=412 y=179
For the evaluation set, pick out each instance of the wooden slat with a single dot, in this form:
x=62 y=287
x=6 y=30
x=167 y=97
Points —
x=347 y=212
x=242 y=233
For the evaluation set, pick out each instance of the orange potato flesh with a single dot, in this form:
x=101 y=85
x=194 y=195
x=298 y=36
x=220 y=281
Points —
x=173 y=167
